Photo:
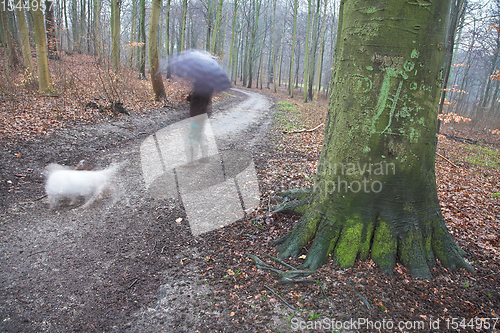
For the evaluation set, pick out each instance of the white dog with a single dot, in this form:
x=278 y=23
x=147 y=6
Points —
x=63 y=182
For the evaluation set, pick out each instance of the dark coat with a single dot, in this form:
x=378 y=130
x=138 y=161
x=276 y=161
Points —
x=200 y=99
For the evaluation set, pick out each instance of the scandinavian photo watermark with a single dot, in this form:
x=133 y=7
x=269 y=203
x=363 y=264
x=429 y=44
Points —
x=298 y=324
x=329 y=184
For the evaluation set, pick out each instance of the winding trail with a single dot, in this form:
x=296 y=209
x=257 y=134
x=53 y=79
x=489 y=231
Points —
x=102 y=268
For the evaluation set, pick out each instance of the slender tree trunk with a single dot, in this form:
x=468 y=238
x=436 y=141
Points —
x=259 y=70
x=465 y=78
x=6 y=50
x=281 y=51
x=256 y=4
x=486 y=96
x=216 y=31
x=297 y=66
x=335 y=35
x=313 y=51
x=183 y=25
x=115 y=35
x=97 y=30
x=90 y=29
x=154 y=67
x=25 y=42
x=83 y=11
x=209 y=19
x=306 y=51
x=50 y=30
x=273 y=59
x=458 y=38
x=41 y=51
x=222 y=40
x=236 y=56
x=456 y=13
x=167 y=36
x=167 y=30
x=142 y=40
x=321 y=52
x=494 y=99
x=375 y=189
x=9 y=41
x=66 y=26
x=133 y=35
x=233 y=35
x=245 y=61
x=75 y=25
x=294 y=39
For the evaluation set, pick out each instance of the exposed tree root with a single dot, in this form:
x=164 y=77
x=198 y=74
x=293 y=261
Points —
x=415 y=236
x=291 y=276
x=363 y=298
x=281 y=298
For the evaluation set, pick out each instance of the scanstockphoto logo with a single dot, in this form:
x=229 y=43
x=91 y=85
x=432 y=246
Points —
x=352 y=177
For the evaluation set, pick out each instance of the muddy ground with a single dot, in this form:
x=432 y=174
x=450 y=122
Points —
x=114 y=267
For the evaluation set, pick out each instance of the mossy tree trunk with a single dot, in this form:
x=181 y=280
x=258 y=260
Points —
x=8 y=40
x=156 y=80
x=375 y=189
x=142 y=40
x=25 y=41
x=182 y=46
x=216 y=32
x=41 y=51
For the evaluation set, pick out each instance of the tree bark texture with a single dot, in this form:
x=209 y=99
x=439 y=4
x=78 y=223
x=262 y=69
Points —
x=294 y=40
x=41 y=51
x=183 y=25
x=50 y=30
x=115 y=34
x=142 y=40
x=156 y=79
x=25 y=41
x=375 y=188
x=8 y=40
x=97 y=30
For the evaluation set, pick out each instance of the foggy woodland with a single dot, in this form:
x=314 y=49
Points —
x=265 y=44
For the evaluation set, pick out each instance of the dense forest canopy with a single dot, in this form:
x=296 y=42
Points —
x=287 y=42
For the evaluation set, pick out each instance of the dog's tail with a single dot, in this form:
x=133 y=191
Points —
x=113 y=168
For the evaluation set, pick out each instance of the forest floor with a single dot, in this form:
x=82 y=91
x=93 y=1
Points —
x=136 y=267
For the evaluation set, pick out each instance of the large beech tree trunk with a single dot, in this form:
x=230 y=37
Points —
x=375 y=189
x=156 y=79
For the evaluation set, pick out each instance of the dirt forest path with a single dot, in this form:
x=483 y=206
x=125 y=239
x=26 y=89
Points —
x=114 y=267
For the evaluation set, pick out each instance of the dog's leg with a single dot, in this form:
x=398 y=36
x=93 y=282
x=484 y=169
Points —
x=94 y=196
x=114 y=194
x=74 y=200
x=53 y=201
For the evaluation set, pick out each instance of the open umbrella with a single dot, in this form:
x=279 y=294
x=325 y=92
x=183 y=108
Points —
x=202 y=67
